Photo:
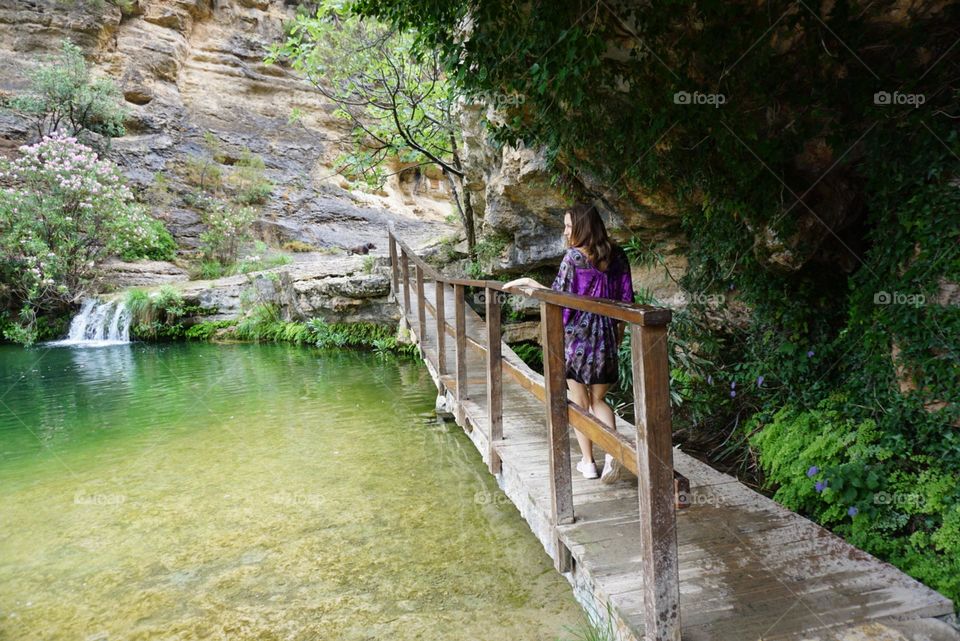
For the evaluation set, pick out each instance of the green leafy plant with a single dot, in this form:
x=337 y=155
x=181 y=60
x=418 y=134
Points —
x=62 y=96
x=65 y=210
x=249 y=181
x=394 y=97
x=810 y=225
x=161 y=315
x=227 y=228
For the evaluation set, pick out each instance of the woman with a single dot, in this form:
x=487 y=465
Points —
x=592 y=266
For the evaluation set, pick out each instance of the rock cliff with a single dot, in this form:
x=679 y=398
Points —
x=192 y=71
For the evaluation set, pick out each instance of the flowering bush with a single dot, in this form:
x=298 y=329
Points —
x=228 y=227
x=62 y=210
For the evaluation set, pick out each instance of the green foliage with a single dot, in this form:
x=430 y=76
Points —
x=211 y=269
x=297 y=246
x=248 y=180
x=841 y=337
x=854 y=476
x=491 y=247
x=63 y=97
x=206 y=330
x=530 y=353
x=204 y=169
x=161 y=315
x=64 y=211
x=264 y=323
x=394 y=98
x=227 y=228
x=371 y=74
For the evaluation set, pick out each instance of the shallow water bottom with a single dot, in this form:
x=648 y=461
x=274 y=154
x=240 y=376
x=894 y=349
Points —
x=252 y=492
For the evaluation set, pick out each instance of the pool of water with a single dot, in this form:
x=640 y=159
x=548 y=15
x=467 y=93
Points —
x=197 y=491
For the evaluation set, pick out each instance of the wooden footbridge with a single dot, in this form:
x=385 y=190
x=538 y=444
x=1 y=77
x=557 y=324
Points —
x=729 y=565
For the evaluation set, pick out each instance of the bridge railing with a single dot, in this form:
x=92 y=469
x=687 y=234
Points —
x=651 y=459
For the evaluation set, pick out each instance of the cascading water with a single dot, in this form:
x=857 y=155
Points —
x=99 y=323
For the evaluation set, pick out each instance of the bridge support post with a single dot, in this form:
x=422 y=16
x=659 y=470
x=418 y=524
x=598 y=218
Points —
x=421 y=311
x=405 y=268
x=651 y=394
x=555 y=391
x=460 y=327
x=494 y=379
x=441 y=330
x=394 y=268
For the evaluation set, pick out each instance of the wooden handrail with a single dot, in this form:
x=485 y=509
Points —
x=626 y=312
x=651 y=458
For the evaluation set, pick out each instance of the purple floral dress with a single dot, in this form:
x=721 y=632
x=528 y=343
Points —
x=591 y=339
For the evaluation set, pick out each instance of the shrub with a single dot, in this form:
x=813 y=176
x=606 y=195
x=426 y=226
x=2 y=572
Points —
x=65 y=210
x=297 y=246
x=252 y=188
x=161 y=315
x=228 y=227
x=63 y=96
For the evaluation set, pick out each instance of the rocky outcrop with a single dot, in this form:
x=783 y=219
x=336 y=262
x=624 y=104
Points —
x=119 y=274
x=342 y=289
x=192 y=72
x=521 y=207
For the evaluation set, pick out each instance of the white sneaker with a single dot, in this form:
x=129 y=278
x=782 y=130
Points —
x=612 y=470
x=588 y=469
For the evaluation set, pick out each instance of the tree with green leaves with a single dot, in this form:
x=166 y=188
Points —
x=396 y=99
x=810 y=155
x=63 y=96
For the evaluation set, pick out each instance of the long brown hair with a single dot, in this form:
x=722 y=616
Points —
x=590 y=234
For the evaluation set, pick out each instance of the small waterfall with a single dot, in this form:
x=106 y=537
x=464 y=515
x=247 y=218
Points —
x=99 y=323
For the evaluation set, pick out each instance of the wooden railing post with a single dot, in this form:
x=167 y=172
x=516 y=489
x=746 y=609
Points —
x=405 y=268
x=494 y=379
x=460 y=328
x=421 y=310
x=555 y=389
x=394 y=268
x=651 y=394
x=441 y=331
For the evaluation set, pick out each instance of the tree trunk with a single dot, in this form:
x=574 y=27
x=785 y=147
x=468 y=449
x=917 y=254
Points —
x=465 y=209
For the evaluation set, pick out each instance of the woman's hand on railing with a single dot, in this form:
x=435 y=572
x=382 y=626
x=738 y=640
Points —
x=526 y=285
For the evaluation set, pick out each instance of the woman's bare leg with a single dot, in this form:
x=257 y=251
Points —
x=599 y=407
x=580 y=394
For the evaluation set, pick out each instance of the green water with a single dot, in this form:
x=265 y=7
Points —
x=252 y=492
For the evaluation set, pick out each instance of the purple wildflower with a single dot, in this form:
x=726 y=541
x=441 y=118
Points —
x=760 y=380
x=810 y=354
x=709 y=379
x=733 y=385
x=733 y=393
x=852 y=511
x=813 y=471
x=820 y=486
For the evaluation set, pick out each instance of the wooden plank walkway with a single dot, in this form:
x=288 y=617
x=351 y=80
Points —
x=749 y=568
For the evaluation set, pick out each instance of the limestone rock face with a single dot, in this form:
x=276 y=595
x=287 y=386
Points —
x=522 y=209
x=191 y=71
x=341 y=289
x=142 y=273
